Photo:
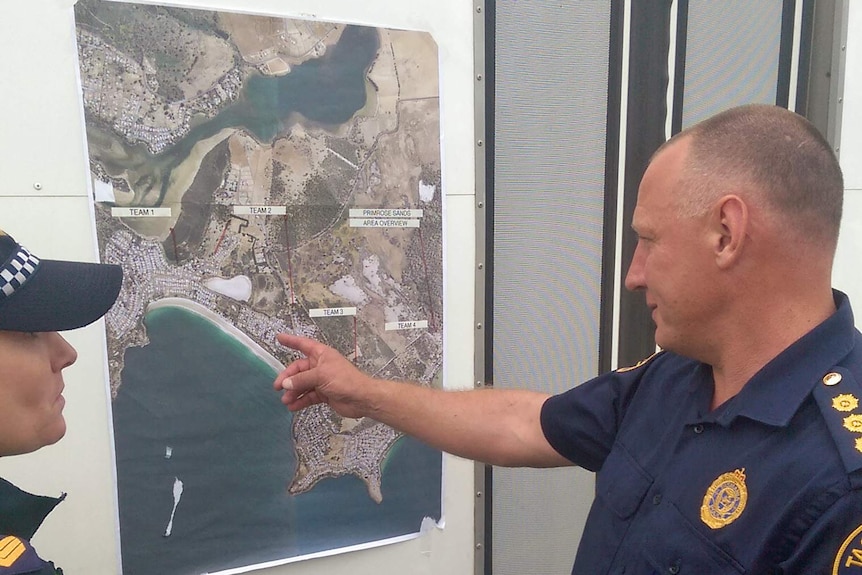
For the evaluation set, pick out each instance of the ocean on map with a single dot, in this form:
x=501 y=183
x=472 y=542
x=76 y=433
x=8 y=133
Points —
x=196 y=405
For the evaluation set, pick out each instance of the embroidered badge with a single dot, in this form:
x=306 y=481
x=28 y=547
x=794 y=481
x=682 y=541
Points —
x=845 y=402
x=859 y=444
x=11 y=549
x=853 y=423
x=849 y=557
x=637 y=365
x=725 y=500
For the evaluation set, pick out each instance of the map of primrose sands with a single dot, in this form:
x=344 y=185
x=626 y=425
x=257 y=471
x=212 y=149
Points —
x=262 y=175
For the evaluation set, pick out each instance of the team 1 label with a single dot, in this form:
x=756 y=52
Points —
x=141 y=212
x=259 y=210
x=383 y=223
x=384 y=213
x=332 y=311
x=396 y=325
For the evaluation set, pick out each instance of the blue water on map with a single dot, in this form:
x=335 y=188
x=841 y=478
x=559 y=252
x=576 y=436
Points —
x=328 y=90
x=202 y=393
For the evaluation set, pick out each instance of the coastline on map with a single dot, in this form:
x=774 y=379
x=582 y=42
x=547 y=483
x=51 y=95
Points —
x=221 y=323
x=391 y=452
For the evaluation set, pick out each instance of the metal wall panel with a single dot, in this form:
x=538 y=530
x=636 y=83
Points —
x=732 y=55
x=551 y=77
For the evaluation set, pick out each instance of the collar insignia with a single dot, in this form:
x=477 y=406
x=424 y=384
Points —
x=725 y=499
x=853 y=423
x=849 y=557
x=11 y=549
x=845 y=402
x=637 y=365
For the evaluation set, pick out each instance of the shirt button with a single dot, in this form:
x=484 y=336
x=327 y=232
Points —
x=673 y=569
x=698 y=428
x=656 y=499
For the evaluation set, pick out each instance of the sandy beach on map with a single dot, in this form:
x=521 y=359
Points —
x=222 y=323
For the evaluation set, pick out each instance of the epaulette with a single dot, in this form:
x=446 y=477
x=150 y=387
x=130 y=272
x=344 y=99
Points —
x=639 y=364
x=17 y=557
x=838 y=395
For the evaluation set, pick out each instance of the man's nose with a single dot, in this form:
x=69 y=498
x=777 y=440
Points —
x=635 y=276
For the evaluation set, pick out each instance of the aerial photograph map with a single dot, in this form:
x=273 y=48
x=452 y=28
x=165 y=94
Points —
x=256 y=174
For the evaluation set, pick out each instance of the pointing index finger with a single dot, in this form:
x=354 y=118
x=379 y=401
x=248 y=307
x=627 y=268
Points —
x=305 y=345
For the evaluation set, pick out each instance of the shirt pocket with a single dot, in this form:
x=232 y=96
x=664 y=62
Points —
x=622 y=483
x=675 y=546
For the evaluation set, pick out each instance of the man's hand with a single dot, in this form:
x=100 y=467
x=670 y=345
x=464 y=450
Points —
x=497 y=426
x=322 y=376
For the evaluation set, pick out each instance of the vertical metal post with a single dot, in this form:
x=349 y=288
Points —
x=482 y=318
x=836 y=89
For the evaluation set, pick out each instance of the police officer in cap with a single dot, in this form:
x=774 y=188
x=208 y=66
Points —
x=38 y=298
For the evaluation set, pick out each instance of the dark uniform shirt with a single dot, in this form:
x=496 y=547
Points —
x=21 y=514
x=769 y=482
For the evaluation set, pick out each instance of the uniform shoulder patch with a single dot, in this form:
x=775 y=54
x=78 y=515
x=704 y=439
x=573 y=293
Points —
x=838 y=394
x=18 y=556
x=848 y=560
x=641 y=363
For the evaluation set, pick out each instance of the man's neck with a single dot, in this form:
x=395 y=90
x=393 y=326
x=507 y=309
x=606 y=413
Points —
x=760 y=338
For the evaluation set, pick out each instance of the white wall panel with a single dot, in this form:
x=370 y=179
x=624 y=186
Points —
x=847 y=273
x=851 y=108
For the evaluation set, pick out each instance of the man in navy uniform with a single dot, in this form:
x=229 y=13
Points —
x=738 y=448
x=38 y=298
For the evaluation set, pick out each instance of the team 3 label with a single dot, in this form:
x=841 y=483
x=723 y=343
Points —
x=332 y=311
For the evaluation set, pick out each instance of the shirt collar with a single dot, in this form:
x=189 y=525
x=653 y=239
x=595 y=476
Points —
x=22 y=513
x=776 y=392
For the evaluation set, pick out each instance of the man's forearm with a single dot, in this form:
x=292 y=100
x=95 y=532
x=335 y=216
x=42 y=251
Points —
x=495 y=426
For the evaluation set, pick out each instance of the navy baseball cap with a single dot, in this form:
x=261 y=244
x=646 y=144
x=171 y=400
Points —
x=51 y=295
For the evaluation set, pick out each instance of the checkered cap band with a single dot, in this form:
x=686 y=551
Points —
x=17 y=271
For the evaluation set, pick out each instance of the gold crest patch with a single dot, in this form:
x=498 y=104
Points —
x=845 y=402
x=853 y=423
x=11 y=548
x=849 y=557
x=725 y=500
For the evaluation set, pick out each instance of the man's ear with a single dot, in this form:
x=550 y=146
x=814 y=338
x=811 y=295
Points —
x=729 y=223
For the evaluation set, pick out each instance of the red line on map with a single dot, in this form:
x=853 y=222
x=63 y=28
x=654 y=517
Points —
x=433 y=321
x=289 y=264
x=221 y=237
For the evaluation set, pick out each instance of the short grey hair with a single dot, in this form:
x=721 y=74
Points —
x=778 y=154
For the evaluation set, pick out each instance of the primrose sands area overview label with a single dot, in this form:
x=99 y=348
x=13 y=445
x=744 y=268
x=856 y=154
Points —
x=384 y=218
x=256 y=175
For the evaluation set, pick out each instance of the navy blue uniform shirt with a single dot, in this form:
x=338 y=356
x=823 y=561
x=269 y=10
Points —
x=21 y=514
x=770 y=482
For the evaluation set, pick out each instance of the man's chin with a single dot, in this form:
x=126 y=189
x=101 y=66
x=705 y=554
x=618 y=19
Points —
x=664 y=342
